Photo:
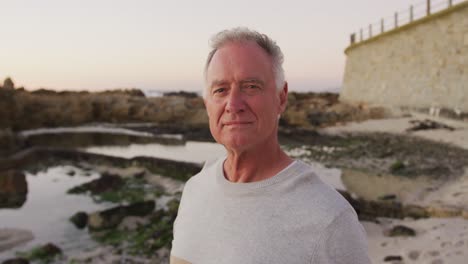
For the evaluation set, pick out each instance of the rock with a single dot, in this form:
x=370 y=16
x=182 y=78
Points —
x=139 y=174
x=182 y=93
x=444 y=212
x=415 y=211
x=294 y=118
x=400 y=230
x=8 y=84
x=43 y=254
x=80 y=219
x=51 y=249
x=16 y=261
x=13 y=189
x=10 y=238
x=129 y=92
x=369 y=210
x=9 y=142
x=111 y=218
x=387 y=197
x=393 y=258
x=426 y=125
x=106 y=182
x=46 y=108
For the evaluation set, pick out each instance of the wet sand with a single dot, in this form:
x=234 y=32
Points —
x=437 y=240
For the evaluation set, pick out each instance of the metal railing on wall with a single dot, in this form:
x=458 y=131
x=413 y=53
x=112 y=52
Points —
x=400 y=18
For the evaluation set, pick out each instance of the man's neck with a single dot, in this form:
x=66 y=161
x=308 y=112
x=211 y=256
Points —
x=256 y=164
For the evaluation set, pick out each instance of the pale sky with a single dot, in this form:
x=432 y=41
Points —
x=107 y=44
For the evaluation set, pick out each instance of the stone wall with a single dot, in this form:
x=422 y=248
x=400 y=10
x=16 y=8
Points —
x=423 y=64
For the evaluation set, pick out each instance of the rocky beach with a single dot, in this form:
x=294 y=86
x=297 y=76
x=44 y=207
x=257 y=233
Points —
x=97 y=177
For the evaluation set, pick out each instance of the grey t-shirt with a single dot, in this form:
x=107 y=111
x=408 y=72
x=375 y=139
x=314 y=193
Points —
x=292 y=217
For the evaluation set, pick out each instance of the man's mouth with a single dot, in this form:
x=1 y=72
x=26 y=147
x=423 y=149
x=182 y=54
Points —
x=236 y=123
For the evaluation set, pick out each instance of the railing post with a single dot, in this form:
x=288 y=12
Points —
x=360 y=34
x=370 y=30
x=352 y=38
x=411 y=13
x=396 y=19
x=382 y=28
x=450 y=3
x=428 y=10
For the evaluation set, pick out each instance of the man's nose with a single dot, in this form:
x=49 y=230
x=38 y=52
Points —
x=235 y=103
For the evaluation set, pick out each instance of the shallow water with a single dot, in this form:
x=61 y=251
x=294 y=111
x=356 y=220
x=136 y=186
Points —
x=104 y=129
x=191 y=151
x=48 y=208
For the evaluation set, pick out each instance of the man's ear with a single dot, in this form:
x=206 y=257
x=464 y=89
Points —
x=283 y=96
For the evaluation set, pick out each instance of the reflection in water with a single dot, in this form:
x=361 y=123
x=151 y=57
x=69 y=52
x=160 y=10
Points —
x=13 y=189
x=373 y=187
x=192 y=151
x=74 y=140
x=84 y=129
x=48 y=208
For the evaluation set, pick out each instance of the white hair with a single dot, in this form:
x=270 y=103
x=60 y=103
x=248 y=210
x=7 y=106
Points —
x=242 y=34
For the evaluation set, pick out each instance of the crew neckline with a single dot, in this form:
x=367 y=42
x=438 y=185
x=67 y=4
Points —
x=289 y=171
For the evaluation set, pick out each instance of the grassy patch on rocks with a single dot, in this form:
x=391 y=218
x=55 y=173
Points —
x=111 y=188
x=144 y=239
x=381 y=153
x=42 y=254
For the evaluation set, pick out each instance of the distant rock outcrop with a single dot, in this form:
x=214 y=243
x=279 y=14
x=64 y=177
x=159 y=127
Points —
x=8 y=84
x=311 y=110
x=21 y=109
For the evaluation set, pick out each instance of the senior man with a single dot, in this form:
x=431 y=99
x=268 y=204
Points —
x=257 y=205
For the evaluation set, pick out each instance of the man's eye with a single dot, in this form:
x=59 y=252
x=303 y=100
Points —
x=251 y=89
x=219 y=90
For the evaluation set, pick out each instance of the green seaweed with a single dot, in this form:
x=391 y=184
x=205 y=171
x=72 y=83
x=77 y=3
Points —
x=132 y=190
x=146 y=239
x=41 y=254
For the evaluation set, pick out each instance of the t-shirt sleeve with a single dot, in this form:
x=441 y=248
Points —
x=344 y=241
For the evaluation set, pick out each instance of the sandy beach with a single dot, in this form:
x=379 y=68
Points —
x=437 y=240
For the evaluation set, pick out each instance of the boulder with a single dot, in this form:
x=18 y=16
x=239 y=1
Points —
x=80 y=219
x=9 y=142
x=369 y=210
x=392 y=258
x=111 y=218
x=51 y=249
x=13 y=189
x=16 y=261
x=43 y=254
x=182 y=94
x=106 y=182
x=7 y=104
x=8 y=84
x=400 y=230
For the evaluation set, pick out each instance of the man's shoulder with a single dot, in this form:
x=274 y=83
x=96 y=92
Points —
x=323 y=199
x=205 y=175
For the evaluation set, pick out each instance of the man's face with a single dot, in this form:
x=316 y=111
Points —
x=241 y=98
